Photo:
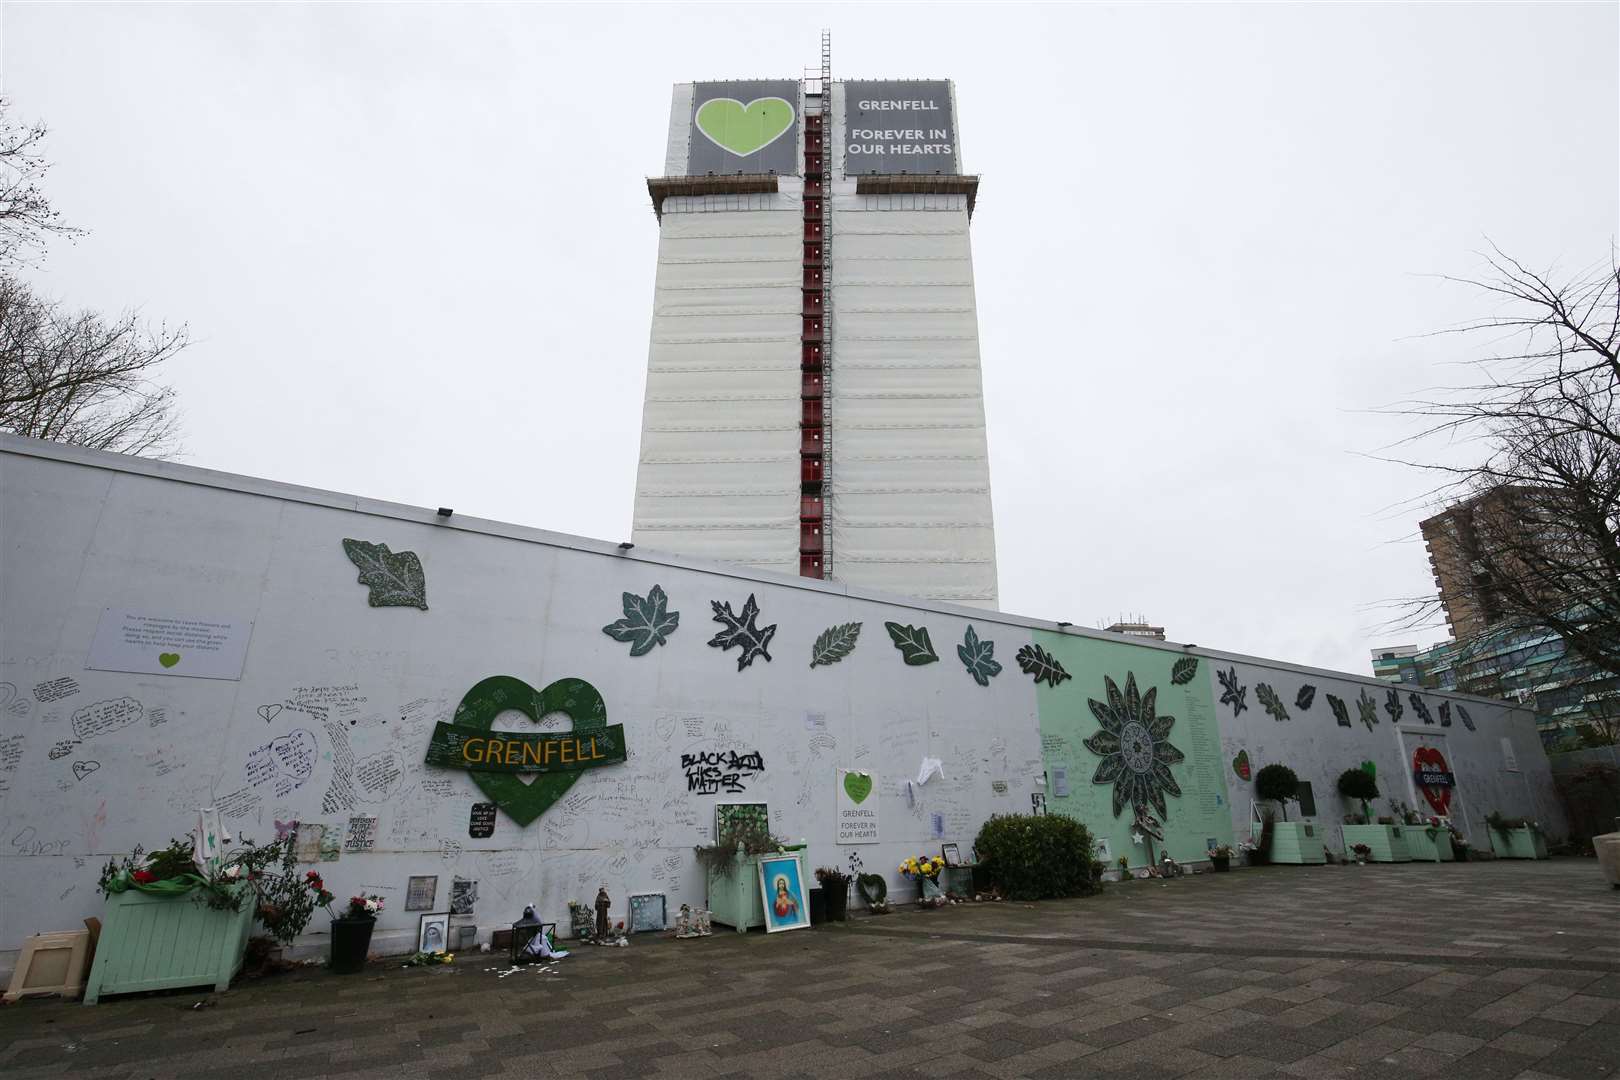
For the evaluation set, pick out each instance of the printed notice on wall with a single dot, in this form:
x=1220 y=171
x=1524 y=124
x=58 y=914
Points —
x=201 y=647
x=857 y=807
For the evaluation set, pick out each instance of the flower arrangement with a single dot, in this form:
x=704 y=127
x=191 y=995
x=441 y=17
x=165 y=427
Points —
x=1361 y=852
x=1124 y=863
x=923 y=866
x=1221 y=851
x=359 y=907
x=1497 y=821
x=831 y=877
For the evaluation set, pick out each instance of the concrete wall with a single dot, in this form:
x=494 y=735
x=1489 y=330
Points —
x=361 y=688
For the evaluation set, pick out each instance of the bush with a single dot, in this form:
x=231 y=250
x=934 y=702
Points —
x=1278 y=784
x=1037 y=858
x=1358 y=784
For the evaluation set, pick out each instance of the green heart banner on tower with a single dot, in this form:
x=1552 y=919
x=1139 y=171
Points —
x=749 y=127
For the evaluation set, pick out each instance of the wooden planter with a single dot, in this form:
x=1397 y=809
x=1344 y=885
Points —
x=1426 y=848
x=1521 y=843
x=1388 y=842
x=1297 y=843
x=734 y=898
x=154 y=942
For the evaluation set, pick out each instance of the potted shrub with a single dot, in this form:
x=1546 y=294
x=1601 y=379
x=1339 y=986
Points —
x=1026 y=857
x=835 y=884
x=1515 y=837
x=1292 y=842
x=1385 y=841
x=1220 y=858
x=351 y=932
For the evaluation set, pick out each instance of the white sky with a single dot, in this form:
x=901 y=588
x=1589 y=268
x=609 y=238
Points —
x=415 y=248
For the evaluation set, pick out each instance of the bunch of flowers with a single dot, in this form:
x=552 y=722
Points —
x=923 y=866
x=359 y=907
x=1221 y=851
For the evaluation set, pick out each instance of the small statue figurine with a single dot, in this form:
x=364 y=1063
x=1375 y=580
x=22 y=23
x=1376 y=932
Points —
x=604 y=929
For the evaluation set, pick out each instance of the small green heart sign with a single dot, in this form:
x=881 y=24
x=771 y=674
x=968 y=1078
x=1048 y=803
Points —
x=497 y=759
x=857 y=786
x=742 y=129
x=168 y=659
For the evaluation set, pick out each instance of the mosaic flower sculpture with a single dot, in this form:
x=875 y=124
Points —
x=1134 y=745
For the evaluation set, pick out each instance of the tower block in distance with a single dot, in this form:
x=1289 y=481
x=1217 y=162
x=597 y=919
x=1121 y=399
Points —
x=814 y=401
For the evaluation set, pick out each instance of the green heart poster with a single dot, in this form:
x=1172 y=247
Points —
x=857 y=807
x=744 y=127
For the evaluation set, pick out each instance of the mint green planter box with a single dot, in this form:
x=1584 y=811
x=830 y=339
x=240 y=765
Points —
x=1521 y=843
x=1297 y=843
x=1388 y=842
x=1425 y=848
x=734 y=898
x=154 y=942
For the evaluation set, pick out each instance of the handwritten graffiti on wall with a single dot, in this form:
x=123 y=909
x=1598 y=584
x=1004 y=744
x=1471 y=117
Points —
x=710 y=772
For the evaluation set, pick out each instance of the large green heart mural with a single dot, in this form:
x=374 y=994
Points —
x=578 y=699
x=742 y=129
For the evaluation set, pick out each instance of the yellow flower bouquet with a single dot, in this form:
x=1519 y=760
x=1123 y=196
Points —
x=923 y=866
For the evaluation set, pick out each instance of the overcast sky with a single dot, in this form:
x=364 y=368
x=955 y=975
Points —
x=415 y=248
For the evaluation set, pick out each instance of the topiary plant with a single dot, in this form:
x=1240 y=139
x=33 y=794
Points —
x=1033 y=857
x=1278 y=784
x=1358 y=784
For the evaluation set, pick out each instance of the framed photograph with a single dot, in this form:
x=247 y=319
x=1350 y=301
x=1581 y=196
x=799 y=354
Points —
x=952 y=854
x=781 y=886
x=433 y=933
x=420 y=893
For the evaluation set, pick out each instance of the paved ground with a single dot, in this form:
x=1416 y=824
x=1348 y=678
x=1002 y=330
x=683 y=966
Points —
x=1477 y=970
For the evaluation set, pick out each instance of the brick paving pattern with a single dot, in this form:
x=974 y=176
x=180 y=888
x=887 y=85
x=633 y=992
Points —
x=1478 y=971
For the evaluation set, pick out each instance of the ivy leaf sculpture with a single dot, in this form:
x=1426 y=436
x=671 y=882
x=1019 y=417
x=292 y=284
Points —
x=913 y=643
x=1231 y=693
x=1421 y=708
x=646 y=623
x=1392 y=705
x=394 y=578
x=1368 y=708
x=1268 y=699
x=1306 y=695
x=741 y=632
x=834 y=643
x=1036 y=661
x=1445 y=714
x=977 y=656
x=1341 y=711
x=1468 y=721
x=1184 y=670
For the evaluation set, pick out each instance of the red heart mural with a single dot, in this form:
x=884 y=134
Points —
x=1433 y=777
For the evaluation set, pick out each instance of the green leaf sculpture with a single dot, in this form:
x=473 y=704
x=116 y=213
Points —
x=913 y=643
x=834 y=643
x=1184 y=670
x=646 y=623
x=1036 y=661
x=1268 y=699
x=394 y=578
x=740 y=631
x=1341 y=711
x=977 y=657
x=1368 y=709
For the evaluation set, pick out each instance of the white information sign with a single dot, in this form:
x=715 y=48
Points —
x=203 y=648
x=857 y=807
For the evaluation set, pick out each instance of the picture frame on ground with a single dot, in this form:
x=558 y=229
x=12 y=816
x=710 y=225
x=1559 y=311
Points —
x=433 y=932
x=781 y=887
x=951 y=854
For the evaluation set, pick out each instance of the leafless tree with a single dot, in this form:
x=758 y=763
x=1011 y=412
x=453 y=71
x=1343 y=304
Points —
x=1540 y=536
x=76 y=377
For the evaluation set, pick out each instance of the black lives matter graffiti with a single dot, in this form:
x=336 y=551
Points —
x=711 y=772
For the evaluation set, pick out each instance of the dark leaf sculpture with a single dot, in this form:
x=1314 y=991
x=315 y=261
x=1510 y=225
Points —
x=1420 y=707
x=1184 y=670
x=646 y=623
x=1445 y=714
x=1231 y=693
x=1133 y=741
x=977 y=655
x=1392 y=705
x=1268 y=699
x=913 y=643
x=1341 y=711
x=1468 y=721
x=741 y=632
x=1036 y=661
x=834 y=643
x=394 y=578
x=1306 y=695
x=1368 y=708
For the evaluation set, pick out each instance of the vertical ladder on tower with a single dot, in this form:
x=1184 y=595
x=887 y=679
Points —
x=814 y=547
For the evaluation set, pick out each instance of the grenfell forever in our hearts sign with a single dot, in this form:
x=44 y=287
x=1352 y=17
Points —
x=497 y=759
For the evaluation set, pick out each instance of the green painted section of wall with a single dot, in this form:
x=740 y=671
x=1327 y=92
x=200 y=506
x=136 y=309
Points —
x=1200 y=814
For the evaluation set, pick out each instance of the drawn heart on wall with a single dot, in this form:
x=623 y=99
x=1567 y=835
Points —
x=168 y=659
x=82 y=769
x=1427 y=761
x=575 y=698
x=269 y=712
x=1240 y=765
x=742 y=129
x=857 y=786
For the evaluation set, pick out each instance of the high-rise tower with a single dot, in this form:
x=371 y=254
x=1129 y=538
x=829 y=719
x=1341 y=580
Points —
x=814 y=401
